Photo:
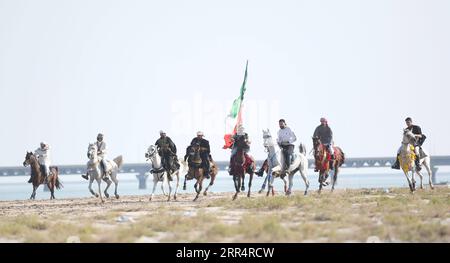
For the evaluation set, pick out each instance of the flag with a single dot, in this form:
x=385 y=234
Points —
x=234 y=118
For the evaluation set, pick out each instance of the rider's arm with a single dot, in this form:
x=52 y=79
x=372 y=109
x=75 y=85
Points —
x=292 y=138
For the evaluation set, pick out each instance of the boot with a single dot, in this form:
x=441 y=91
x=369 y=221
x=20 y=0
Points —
x=85 y=176
x=31 y=180
x=207 y=176
x=260 y=172
x=396 y=165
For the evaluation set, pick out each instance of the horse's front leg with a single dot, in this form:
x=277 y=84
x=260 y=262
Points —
x=263 y=186
x=199 y=190
x=250 y=184
x=409 y=181
x=91 y=180
x=291 y=183
x=237 y=186
x=243 y=182
x=155 y=182
x=33 y=194
x=177 y=185
x=170 y=188
x=99 y=181
x=334 y=178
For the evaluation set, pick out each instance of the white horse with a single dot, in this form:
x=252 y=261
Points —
x=407 y=157
x=160 y=174
x=276 y=166
x=95 y=171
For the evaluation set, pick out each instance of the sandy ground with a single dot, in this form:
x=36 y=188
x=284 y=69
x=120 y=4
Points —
x=366 y=215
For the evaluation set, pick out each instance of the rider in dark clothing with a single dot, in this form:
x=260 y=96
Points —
x=325 y=134
x=420 y=139
x=205 y=152
x=168 y=152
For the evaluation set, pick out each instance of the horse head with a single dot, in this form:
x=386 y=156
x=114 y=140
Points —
x=150 y=152
x=92 y=151
x=408 y=137
x=267 y=138
x=28 y=158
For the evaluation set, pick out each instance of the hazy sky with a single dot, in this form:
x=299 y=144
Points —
x=71 y=69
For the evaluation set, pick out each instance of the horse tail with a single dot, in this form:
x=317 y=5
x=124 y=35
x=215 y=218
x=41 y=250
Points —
x=119 y=161
x=58 y=184
x=342 y=155
x=302 y=148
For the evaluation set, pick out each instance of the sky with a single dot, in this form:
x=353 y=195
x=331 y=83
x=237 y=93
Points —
x=128 y=69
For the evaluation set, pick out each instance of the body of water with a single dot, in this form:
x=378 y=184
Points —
x=17 y=188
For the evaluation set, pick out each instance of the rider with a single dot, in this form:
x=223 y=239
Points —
x=43 y=155
x=241 y=136
x=101 y=154
x=285 y=140
x=168 y=152
x=420 y=139
x=325 y=134
x=205 y=152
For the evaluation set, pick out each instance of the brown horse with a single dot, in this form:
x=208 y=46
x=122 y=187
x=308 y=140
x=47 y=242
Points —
x=323 y=160
x=241 y=164
x=197 y=171
x=38 y=177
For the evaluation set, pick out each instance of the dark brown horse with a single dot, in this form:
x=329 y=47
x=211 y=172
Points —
x=197 y=172
x=241 y=164
x=37 y=175
x=323 y=161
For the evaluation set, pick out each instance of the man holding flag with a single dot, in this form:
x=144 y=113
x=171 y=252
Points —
x=235 y=134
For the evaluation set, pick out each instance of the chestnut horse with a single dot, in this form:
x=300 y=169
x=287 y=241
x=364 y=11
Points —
x=323 y=160
x=38 y=177
x=197 y=171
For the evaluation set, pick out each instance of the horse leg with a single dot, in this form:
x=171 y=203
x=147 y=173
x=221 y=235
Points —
x=176 y=186
x=155 y=182
x=184 y=185
x=409 y=181
x=321 y=176
x=211 y=183
x=237 y=181
x=91 y=180
x=170 y=188
x=421 y=179
x=250 y=184
x=305 y=179
x=198 y=186
x=334 y=178
x=263 y=186
x=51 y=186
x=33 y=194
x=413 y=180
x=243 y=183
x=162 y=184
x=108 y=183
x=427 y=167
x=291 y=179
x=269 y=184
x=116 y=183
x=99 y=181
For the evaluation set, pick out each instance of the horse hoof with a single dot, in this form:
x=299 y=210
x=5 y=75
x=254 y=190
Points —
x=260 y=191
x=204 y=193
x=106 y=195
x=174 y=197
x=96 y=195
x=306 y=192
x=195 y=199
x=184 y=187
x=117 y=196
x=248 y=195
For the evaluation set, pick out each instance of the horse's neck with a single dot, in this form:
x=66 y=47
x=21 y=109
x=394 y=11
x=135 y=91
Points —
x=156 y=161
x=35 y=165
